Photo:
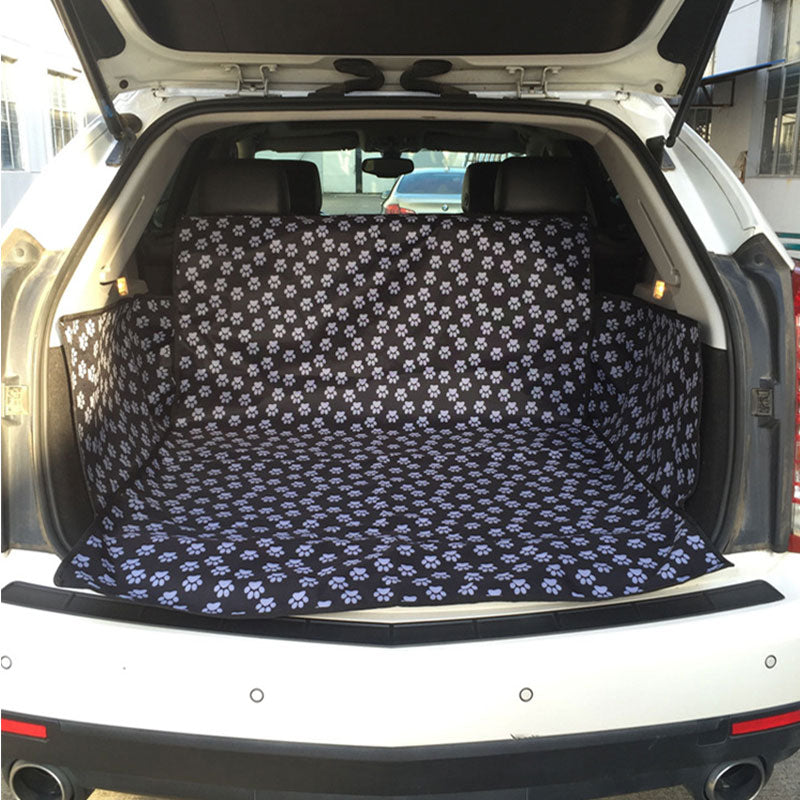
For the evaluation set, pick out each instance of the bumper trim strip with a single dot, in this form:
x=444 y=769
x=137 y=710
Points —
x=611 y=615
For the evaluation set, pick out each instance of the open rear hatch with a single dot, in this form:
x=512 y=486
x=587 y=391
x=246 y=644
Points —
x=335 y=413
x=520 y=46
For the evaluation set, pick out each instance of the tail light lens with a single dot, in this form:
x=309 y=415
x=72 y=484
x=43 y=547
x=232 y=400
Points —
x=21 y=728
x=765 y=723
x=794 y=540
x=394 y=208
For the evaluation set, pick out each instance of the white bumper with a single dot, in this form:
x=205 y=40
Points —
x=158 y=678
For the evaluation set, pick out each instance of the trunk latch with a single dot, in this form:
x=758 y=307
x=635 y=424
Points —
x=762 y=402
x=16 y=400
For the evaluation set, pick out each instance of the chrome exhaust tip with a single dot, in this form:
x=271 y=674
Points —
x=736 y=780
x=39 y=782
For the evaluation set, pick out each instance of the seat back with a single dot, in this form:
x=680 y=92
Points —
x=300 y=322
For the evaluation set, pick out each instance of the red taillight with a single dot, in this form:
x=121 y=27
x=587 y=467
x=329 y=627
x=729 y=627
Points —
x=394 y=208
x=794 y=539
x=21 y=728
x=765 y=723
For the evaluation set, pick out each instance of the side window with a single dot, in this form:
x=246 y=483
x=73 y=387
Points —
x=780 y=143
x=63 y=117
x=12 y=155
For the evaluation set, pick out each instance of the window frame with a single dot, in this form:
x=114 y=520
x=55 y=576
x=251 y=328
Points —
x=10 y=113
x=773 y=140
x=61 y=110
x=780 y=48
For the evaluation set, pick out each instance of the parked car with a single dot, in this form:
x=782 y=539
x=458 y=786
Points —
x=426 y=190
x=495 y=504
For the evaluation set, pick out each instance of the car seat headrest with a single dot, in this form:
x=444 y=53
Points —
x=540 y=185
x=305 y=189
x=252 y=186
x=477 y=194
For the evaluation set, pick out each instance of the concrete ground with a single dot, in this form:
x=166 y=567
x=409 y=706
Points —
x=785 y=785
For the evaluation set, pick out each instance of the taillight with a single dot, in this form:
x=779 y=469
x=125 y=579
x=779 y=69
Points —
x=794 y=539
x=20 y=728
x=765 y=723
x=394 y=208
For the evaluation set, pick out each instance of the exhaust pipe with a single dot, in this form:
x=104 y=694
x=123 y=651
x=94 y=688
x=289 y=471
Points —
x=39 y=782
x=736 y=780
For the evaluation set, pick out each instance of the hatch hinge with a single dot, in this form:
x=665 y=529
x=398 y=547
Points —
x=251 y=78
x=16 y=400
x=536 y=87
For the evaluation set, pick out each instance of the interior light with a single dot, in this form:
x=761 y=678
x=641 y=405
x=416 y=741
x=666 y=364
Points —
x=658 y=289
x=122 y=286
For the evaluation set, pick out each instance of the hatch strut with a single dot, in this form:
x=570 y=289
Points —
x=695 y=73
x=121 y=127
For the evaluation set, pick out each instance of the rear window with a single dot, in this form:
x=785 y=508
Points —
x=431 y=183
x=347 y=189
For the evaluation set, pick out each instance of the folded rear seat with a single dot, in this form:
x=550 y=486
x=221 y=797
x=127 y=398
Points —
x=384 y=410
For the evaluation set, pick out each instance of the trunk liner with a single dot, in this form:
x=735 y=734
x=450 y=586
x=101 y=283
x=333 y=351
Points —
x=327 y=451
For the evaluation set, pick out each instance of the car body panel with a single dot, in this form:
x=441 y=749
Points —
x=578 y=766
x=406 y=191
x=186 y=681
x=656 y=59
x=179 y=681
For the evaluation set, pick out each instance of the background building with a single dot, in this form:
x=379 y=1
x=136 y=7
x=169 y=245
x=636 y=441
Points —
x=748 y=107
x=45 y=99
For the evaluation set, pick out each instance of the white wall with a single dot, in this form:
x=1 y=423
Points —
x=744 y=42
x=730 y=126
x=32 y=35
x=738 y=43
x=779 y=200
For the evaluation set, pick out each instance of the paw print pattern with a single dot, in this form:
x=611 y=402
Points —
x=411 y=319
x=645 y=396
x=120 y=368
x=370 y=411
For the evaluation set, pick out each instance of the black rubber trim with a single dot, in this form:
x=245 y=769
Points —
x=102 y=34
x=570 y=766
x=711 y=601
x=411 y=28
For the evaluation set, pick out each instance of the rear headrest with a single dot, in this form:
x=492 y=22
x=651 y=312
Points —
x=253 y=186
x=540 y=185
x=477 y=192
x=305 y=190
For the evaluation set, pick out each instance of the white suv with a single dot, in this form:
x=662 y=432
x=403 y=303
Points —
x=303 y=503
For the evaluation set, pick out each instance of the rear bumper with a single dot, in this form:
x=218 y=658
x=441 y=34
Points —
x=586 y=706
x=576 y=766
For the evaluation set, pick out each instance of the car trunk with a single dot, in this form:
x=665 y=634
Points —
x=337 y=413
